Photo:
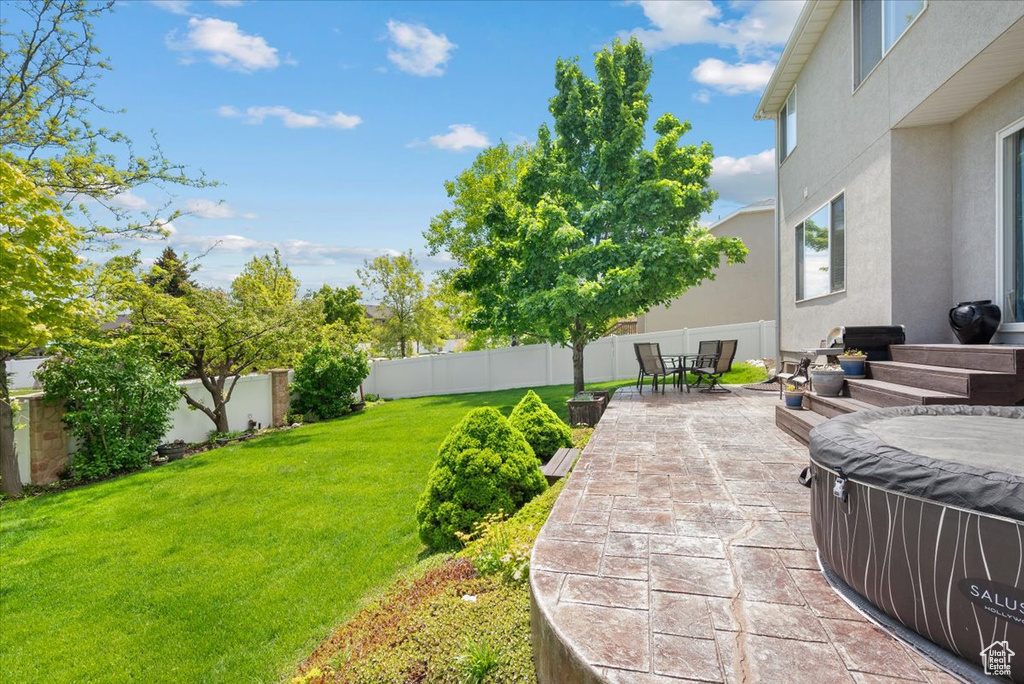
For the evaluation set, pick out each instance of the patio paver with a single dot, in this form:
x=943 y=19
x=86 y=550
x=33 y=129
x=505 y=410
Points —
x=680 y=550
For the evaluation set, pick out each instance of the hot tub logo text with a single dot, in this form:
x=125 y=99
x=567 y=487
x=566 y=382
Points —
x=999 y=599
x=997 y=659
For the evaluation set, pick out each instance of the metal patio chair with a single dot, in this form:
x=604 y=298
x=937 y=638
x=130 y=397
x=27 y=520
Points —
x=648 y=356
x=722 y=365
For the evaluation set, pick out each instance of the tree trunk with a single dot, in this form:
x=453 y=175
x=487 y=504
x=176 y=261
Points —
x=222 y=419
x=577 y=364
x=10 y=483
x=401 y=347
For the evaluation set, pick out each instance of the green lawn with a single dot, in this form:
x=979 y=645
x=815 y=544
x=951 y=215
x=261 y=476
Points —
x=228 y=566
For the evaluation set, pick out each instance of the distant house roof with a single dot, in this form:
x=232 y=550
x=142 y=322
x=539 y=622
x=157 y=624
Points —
x=376 y=312
x=756 y=207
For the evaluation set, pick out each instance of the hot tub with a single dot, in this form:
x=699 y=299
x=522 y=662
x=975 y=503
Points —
x=927 y=524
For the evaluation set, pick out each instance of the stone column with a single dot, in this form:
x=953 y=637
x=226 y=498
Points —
x=279 y=397
x=48 y=442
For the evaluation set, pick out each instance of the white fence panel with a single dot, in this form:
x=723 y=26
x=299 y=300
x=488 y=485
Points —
x=610 y=358
x=21 y=371
x=250 y=398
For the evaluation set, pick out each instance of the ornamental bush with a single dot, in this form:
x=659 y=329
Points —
x=118 y=399
x=326 y=376
x=483 y=466
x=541 y=426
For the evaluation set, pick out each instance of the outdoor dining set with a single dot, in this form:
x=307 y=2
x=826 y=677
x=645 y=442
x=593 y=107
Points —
x=713 y=360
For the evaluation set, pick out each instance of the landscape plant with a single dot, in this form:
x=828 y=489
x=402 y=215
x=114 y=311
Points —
x=117 y=400
x=326 y=376
x=483 y=466
x=560 y=238
x=541 y=426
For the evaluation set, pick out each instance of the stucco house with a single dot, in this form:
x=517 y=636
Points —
x=740 y=293
x=900 y=159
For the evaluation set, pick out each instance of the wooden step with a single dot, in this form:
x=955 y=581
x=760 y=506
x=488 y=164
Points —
x=882 y=393
x=944 y=378
x=830 y=407
x=797 y=422
x=998 y=358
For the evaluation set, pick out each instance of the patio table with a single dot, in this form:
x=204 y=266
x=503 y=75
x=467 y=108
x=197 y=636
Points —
x=682 y=362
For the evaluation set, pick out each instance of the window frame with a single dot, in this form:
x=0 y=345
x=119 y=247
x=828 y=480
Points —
x=798 y=257
x=783 y=139
x=1002 y=139
x=854 y=8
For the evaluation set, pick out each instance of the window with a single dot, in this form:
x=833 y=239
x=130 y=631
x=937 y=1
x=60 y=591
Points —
x=877 y=25
x=1012 y=217
x=821 y=251
x=787 y=126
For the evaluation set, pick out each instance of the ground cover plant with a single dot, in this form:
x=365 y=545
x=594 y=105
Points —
x=541 y=426
x=462 y=619
x=227 y=566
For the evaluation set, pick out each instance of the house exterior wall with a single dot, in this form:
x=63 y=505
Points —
x=920 y=202
x=740 y=293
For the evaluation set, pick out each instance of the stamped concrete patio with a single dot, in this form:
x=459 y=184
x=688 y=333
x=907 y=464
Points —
x=681 y=550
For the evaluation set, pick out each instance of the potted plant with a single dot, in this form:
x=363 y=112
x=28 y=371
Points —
x=852 y=362
x=827 y=381
x=172 y=451
x=794 y=397
x=585 y=409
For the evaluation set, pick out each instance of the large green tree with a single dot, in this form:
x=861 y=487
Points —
x=219 y=335
x=559 y=239
x=58 y=169
x=410 y=314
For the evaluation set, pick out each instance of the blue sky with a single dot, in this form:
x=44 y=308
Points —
x=332 y=126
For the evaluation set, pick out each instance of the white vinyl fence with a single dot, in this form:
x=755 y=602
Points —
x=610 y=358
x=21 y=371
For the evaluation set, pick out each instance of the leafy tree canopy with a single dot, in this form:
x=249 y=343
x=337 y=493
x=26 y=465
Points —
x=559 y=239
x=411 y=314
x=171 y=273
x=341 y=307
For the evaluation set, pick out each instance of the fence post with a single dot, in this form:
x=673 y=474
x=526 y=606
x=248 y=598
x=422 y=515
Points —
x=279 y=398
x=551 y=380
x=48 y=442
x=487 y=369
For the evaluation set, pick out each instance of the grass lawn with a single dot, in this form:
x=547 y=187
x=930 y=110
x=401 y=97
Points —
x=228 y=566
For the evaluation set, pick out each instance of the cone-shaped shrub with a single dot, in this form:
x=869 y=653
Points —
x=484 y=465
x=541 y=426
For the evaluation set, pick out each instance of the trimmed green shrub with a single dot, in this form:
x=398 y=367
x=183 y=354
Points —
x=326 y=376
x=541 y=426
x=483 y=466
x=117 y=398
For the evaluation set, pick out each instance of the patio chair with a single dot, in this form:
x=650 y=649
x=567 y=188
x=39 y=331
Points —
x=793 y=373
x=723 y=364
x=648 y=356
x=707 y=356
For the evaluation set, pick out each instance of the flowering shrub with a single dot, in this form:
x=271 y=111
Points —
x=117 y=400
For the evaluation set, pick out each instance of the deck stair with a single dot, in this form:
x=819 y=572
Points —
x=919 y=374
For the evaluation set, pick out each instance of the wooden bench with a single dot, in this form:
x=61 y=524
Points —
x=559 y=465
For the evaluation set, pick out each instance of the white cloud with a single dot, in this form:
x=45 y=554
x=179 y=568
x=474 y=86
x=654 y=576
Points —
x=462 y=136
x=294 y=252
x=228 y=3
x=702 y=96
x=208 y=209
x=173 y=6
x=226 y=46
x=418 y=50
x=292 y=119
x=130 y=201
x=733 y=79
x=762 y=25
x=744 y=180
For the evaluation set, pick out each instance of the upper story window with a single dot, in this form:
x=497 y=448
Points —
x=787 y=125
x=877 y=25
x=821 y=251
x=1011 y=195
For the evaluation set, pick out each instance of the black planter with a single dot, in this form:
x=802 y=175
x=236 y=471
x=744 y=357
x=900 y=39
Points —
x=172 y=452
x=975 y=322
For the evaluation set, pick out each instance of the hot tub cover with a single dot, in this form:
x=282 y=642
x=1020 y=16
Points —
x=973 y=461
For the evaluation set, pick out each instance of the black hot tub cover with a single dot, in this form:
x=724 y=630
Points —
x=971 y=459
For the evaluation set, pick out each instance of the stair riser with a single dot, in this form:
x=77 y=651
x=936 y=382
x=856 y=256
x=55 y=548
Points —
x=959 y=357
x=940 y=383
x=870 y=395
x=787 y=420
x=827 y=410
